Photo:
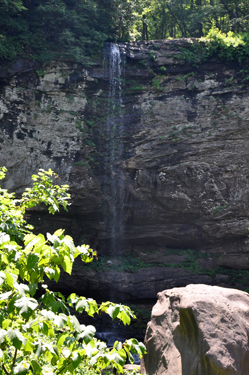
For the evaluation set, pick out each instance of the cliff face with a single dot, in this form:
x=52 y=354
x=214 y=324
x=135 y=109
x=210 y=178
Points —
x=178 y=175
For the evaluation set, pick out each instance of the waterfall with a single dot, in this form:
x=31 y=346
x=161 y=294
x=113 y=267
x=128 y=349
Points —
x=113 y=180
x=114 y=148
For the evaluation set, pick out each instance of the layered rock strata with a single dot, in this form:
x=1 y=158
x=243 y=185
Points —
x=183 y=172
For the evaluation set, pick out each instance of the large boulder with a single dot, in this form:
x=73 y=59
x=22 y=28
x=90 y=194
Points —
x=198 y=330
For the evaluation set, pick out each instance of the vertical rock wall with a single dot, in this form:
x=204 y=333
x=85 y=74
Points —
x=183 y=172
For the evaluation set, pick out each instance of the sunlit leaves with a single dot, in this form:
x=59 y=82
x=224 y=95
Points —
x=4 y=238
x=9 y=279
x=135 y=347
x=44 y=191
x=16 y=338
x=61 y=339
x=86 y=333
x=3 y=171
x=76 y=359
x=121 y=312
x=2 y=277
x=88 y=305
x=3 y=334
x=25 y=306
x=22 y=368
x=5 y=296
x=86 y=253
x=42 y=336
x=60 y=320
x=22 y=289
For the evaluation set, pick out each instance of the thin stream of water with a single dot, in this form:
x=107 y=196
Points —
x=114 y=148
x=113 y=179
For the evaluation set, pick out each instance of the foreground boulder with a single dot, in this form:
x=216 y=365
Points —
x=198 y=330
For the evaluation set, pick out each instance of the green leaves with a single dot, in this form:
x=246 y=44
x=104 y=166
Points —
x=32 y=288
x=9 y=279
x=4 y=238
x=16 y=338
x=32 y=262
x=44 y=337
x=135 y=347
x=40 y=258
x=121 y=312
x=86 y=253
x=44 y=191
x=3 y=334
x=61 y=339
x=26 y=306
x=76 y=359
x=88 y=305
x=3 y=171
x=22 y=368
x=36 y=368
x=72 y=30
x=67 y=264
x=86 y=333
x=5 y=296
x=60 y=320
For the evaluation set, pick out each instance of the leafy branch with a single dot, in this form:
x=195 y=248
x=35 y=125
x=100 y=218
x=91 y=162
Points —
x=42 y=333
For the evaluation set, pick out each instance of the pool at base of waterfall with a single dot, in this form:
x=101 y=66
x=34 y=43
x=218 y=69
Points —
x=110 y=337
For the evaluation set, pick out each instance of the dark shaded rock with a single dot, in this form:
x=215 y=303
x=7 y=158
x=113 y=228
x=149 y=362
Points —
x=20 y=66
x=123 y=286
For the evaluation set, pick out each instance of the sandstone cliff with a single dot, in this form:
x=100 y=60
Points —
x=181 y=174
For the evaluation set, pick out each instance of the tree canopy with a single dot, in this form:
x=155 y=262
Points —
x=42 y=29
x=76 y=29
x=191 y=18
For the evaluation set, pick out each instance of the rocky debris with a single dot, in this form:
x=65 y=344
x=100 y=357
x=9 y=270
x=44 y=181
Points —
x=199 y=329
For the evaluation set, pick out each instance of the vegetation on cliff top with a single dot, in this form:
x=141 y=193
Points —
x=76 y=29
x=41 y=335
x=226 y=47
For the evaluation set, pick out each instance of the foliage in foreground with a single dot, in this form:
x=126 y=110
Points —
x=42 y=336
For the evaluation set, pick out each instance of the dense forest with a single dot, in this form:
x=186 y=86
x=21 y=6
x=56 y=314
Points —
x=44 y=29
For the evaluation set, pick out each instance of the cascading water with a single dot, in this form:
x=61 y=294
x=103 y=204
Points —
x=113 y=149
x=113 y=210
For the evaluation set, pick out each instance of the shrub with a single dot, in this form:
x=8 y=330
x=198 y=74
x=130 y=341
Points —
x=42 y=336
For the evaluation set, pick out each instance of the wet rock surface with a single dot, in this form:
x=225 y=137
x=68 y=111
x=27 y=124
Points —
x=183 y=172
x=198 y=329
